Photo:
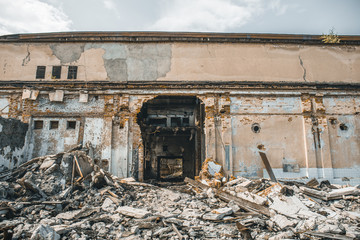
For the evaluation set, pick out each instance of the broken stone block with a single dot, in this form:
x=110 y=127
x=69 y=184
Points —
x=283 y=221
x=189 y=213
x=66 y=166
x=162 y=231
x=44 y=232
x=213 y=168
x=292 y=206
x=306 y=225
x=47 y=163
x=108 y=205
x=135 y=229
x=132 y=212
x=52 y=169
x=284 y=235
x=233 y=206
x=68 y=215
x=218 y=214
x=83 y=97
x=56 y=96
x=252 y=197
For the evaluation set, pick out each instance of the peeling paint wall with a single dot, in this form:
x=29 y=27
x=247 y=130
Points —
x=12 y=142
x=304 y=131
x=121 y=62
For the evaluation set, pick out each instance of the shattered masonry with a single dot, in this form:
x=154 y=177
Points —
x=156 y=105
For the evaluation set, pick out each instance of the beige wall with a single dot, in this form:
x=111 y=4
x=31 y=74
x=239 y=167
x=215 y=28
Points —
x=185 y=61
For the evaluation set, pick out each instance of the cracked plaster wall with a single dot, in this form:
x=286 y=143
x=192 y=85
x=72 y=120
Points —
x=184 y=61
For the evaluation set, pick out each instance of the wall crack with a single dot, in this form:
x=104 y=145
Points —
x=26 y=60
x=302 y=65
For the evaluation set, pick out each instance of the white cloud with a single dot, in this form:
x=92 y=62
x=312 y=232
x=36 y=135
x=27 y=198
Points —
x=109 y=4
x=211 y=15
x=21 y=16
x=278 y=7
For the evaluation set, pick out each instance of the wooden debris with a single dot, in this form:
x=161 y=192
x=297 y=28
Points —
x=180 y=236
x=267 y=166
x=244 y=204
x=196 y=184
x=244 y=231
x=328 y=236
x=312 y=183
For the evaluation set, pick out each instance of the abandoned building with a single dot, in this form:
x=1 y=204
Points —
x=156 y=105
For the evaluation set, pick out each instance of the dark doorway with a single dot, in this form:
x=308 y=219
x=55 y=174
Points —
x=172 y=132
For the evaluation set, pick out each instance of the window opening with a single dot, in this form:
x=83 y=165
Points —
x=40 y=72
x=56 y=72
x=54 y=124
x=343 y=127
x=72 y=72
x=175 y=122
x=71 y=124
x=255 y=128
x=38 y=124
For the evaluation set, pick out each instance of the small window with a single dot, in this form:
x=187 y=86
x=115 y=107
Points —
x=72 y=72
x=56 y=72
x=255 y=128
x=38 y=124
x=40 y=72
x=71 y=124
x=343 y=127
x=54 y=124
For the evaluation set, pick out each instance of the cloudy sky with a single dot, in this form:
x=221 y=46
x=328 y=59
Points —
x=245 y=16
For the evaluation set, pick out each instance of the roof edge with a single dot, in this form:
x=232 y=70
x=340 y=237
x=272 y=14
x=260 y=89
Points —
x=171 y=37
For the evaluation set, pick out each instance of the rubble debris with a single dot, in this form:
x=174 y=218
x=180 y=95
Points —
x=133 y=212
x=77 y=199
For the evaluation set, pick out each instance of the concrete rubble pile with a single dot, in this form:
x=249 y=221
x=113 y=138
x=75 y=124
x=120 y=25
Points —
x=69 y=196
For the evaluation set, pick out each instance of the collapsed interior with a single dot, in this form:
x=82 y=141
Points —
x=172 y=132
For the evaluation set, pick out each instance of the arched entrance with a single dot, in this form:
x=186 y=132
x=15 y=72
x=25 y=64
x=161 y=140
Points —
x=172 y=133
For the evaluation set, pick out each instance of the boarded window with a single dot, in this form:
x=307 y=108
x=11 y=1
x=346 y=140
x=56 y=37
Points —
x=72 y=72
x=38 y=124
x=56 y=72
x=54 y=124
x=71 y=124
x=40 y=72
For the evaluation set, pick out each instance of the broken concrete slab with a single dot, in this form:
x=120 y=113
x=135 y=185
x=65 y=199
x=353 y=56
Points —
x=133 y=212
x=44 y=232
x=217 y=214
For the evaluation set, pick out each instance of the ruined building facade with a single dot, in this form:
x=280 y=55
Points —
x=152 y=105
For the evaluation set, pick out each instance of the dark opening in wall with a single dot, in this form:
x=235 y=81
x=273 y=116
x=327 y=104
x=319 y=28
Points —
x=343 y=127
x=255 y=128
x=72 y=72
x=186 y=122
x=71 y=125
x=175 y=122
x=333 y=121
x=54 y=124
x=40 y=72
x=158 y=122
x=173 y=137
x=56 y=72
x=38 y=124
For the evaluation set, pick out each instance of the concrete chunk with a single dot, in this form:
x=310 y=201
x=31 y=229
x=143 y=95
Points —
x=44 y=232
x=132 y=212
